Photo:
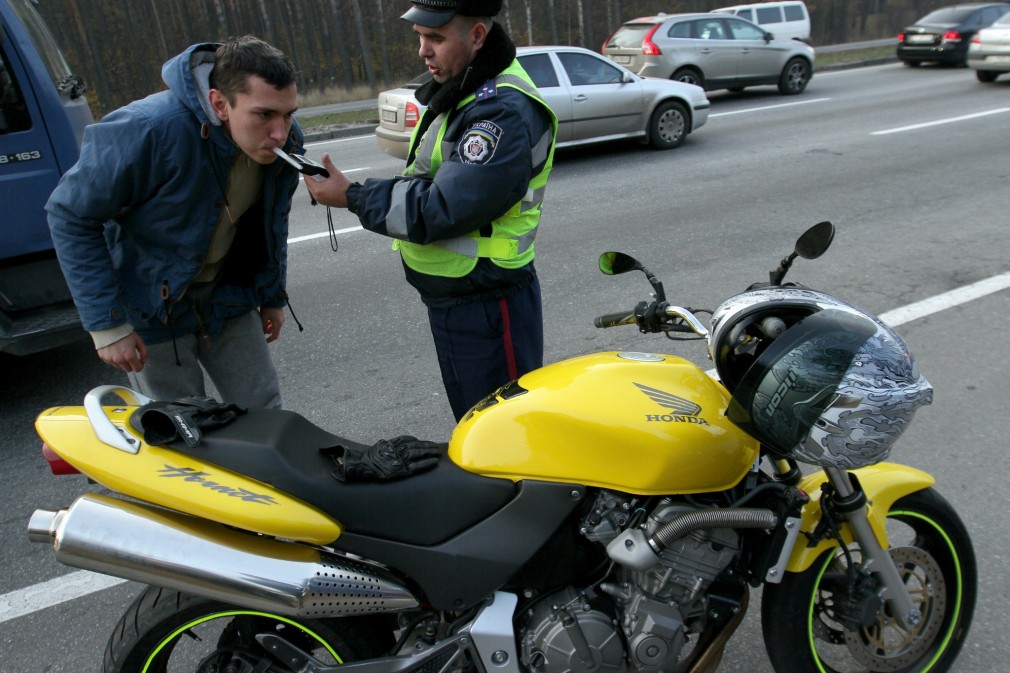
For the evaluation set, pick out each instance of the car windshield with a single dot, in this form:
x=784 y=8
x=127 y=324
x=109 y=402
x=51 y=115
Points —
x=947 y=15
x=630 y=35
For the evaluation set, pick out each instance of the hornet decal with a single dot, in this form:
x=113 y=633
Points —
x=192 y=475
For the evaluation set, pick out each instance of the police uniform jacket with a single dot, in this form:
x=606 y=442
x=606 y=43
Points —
x=469 y=190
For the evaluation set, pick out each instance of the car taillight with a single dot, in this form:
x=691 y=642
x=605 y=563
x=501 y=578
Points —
x=901 y=37
x=976 y=39
x=951 y=36
x=410 y=116
x=57 y=465
x=649 y=47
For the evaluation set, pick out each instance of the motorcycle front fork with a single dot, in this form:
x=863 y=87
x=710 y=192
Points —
x=850 y=504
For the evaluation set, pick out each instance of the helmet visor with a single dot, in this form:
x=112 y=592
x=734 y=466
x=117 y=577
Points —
x=785 y=391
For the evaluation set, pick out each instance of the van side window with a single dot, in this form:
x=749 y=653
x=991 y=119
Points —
x=13 y=111
x=746 y=14
x=794 y=12
x=769 y=15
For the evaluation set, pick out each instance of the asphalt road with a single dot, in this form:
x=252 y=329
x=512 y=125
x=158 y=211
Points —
x=912 y=167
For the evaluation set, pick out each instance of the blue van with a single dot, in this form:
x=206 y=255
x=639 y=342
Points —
x=43 y=113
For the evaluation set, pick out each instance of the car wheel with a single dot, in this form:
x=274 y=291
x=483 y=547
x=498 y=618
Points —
x=689 y=76
x=794 y=77
x=986 y=75
x=668 y=126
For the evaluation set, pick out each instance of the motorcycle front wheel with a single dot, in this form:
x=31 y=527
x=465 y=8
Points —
x=802 y=618
x=166 y=631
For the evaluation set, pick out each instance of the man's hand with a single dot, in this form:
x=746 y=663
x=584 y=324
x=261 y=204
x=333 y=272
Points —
x=273 y=321
x=333 y=190
x=128 y=354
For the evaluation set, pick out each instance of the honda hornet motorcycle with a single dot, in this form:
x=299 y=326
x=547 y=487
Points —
x=608 y=513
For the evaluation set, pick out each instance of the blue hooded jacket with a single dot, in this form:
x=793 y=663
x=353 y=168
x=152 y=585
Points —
x=133 y=220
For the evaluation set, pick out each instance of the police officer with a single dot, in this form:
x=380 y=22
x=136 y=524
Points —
x=464 y=214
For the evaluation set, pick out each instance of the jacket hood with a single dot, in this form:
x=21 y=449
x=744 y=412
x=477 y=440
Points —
x=188 y=77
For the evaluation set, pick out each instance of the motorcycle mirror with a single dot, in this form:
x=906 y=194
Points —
x=614 y=263
x=816 y=240
x=812 y=244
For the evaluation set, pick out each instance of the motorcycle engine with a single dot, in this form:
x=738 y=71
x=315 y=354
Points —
x=656 y=608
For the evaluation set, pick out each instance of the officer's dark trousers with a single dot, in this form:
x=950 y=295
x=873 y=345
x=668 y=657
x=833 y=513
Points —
x=483 y=345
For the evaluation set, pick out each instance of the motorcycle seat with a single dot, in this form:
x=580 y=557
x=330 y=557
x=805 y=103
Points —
x=281 y=448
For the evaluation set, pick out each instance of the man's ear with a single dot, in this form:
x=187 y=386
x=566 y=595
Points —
x=480 y=32
x=220 y=104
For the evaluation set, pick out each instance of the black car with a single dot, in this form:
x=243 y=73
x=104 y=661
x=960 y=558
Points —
x=943 y=36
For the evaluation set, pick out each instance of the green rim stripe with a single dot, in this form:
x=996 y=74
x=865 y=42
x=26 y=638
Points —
x=957 y=571
x=235 y=613
x=957 y=602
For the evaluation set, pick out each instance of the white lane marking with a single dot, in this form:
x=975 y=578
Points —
x=81 y=583
x=938 y=122
x=942 y=302
x=311 y=237
x=767 y=107
x=53 y=592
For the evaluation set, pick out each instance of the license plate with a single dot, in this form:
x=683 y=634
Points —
x=622 y=59
x=997 y=59
x=388 y=115
x=919 y=39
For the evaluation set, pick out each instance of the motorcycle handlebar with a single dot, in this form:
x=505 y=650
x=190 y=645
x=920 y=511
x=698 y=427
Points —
x=615 y=319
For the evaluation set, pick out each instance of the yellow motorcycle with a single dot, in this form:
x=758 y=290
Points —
x=608 y=513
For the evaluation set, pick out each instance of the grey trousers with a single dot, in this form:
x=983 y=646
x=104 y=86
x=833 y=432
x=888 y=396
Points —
x=237 y=361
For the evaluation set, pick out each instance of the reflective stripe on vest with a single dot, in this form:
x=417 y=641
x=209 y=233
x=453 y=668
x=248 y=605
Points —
x=513 y=234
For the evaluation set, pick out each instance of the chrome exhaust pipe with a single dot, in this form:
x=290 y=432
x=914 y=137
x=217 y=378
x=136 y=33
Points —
x=169 y=549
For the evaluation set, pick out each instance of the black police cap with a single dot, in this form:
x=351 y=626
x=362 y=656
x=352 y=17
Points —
x=437 y=13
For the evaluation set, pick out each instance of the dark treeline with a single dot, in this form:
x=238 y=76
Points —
x=118 y=47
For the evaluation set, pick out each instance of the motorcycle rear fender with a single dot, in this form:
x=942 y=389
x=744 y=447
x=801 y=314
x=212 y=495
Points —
x=884 y=484
x=184 y=483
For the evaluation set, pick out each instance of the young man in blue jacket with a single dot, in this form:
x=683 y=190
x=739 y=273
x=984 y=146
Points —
x=465 y=212
x=172 y=228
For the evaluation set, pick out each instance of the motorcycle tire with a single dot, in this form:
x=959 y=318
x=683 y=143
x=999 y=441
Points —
x=930 y=545
x=164 y=631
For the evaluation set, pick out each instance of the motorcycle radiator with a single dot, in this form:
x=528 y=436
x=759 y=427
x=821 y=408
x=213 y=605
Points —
x=165 y=548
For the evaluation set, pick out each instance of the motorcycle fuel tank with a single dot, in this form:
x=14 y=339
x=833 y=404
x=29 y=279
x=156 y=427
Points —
x=634 y=422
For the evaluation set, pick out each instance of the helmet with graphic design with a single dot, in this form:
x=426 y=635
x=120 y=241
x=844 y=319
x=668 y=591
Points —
x=815 y=378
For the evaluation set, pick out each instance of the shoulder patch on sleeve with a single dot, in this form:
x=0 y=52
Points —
x=479 y=142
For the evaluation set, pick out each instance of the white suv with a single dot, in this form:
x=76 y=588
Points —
x=714 y=51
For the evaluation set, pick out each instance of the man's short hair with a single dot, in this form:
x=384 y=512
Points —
x=240 y=57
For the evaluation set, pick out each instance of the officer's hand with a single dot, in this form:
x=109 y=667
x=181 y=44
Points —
x=389 y=459
x=128 y=354
x=333 y=190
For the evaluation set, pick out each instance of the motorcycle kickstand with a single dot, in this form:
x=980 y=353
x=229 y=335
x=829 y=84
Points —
x=850 y=503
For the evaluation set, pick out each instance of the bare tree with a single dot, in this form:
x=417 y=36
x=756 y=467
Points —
x=366 y=60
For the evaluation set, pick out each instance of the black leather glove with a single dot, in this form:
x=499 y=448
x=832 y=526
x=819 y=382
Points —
x=388 y=459
x=185 y=418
